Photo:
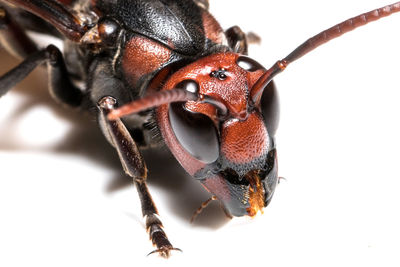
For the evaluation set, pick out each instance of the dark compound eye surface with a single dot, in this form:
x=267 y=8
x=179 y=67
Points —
x=195 y=132
x=249 y=64
x=270 y=108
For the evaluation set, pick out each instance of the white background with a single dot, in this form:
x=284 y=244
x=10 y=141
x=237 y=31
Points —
x=65 y=202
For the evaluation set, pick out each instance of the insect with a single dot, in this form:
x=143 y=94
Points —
x=222 y=133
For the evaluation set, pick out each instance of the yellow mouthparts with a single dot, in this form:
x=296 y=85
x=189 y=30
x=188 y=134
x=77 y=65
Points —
x=256 y=193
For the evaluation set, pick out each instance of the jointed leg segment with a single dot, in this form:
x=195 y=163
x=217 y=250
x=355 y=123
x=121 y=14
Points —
x=60 y=85
x=135 y=167
x=14 y=38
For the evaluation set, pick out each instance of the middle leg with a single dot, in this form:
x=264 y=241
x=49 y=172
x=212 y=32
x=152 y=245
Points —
x=60 y=85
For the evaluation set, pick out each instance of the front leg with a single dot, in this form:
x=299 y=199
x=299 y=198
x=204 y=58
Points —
x=134 y=166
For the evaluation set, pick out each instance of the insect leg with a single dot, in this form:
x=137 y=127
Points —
x=134 y=166
x=60 y=85
x=13 y=38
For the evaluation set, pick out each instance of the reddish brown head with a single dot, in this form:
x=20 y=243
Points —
x=225 y=138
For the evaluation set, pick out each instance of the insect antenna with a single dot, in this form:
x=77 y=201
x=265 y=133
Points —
x=319 y=39
x=165 y=97
x=151 y=101
x=221 y=107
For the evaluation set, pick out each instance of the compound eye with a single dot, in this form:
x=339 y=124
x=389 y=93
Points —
x=109 y=31
x=195 y=132
x=249 y=64
x=189 y=85
x=270 y=108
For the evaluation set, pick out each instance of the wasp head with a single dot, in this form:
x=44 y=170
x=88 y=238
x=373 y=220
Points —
x=225 y=138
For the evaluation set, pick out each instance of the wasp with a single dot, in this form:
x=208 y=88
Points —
x=141 y=66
